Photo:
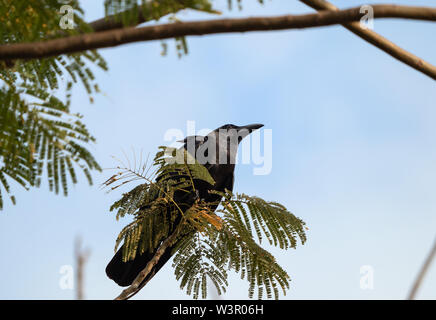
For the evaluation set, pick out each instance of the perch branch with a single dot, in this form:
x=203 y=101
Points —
x=139 y=283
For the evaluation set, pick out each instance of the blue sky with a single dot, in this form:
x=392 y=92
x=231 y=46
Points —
x=354 y=155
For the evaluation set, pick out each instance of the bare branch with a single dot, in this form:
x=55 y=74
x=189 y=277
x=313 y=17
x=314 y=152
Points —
x=81 y=257
x=381 y=42
x=422 y=272
x=118 y=37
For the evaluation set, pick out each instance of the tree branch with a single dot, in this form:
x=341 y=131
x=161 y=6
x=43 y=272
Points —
x=118 y=37
x=381 y=42
x=81 y=257
x=422 y=272
x=139 y=283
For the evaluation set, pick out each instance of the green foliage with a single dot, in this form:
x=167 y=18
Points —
x=152 y=204
x=33 y=20
x=38 y=133
x=211 y=242
x=228 y=244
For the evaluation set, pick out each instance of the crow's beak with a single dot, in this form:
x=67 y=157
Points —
x=252 y=127
x=244 y=131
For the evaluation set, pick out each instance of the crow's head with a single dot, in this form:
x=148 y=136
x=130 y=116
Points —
x=221 y=145
x=239 y=132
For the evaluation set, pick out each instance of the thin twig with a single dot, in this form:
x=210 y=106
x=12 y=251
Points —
x=377 y=40
x=81 y=257
x=422 y=272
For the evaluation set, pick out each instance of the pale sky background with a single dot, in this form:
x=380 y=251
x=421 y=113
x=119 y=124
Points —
x=354 y=155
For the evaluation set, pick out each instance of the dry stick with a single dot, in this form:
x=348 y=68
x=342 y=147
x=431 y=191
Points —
x=138 y=284
x=379 y=41
x=422 y=272
x=81 y=257
x=117 y=37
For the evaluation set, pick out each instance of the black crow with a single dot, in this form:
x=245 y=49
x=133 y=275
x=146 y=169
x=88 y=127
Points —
x=217 y=152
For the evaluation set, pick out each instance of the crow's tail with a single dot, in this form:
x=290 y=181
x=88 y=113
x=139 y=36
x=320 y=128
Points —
x=123 y=273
